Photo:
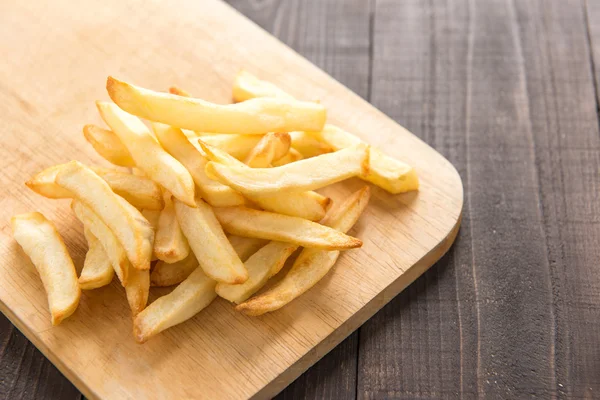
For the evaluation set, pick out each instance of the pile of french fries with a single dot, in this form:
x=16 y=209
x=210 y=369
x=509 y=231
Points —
x=213 y=199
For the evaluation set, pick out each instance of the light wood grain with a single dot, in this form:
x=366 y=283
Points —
x=57 y=70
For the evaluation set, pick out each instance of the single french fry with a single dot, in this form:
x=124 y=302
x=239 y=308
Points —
x=191 y=296
x=246 y=246
x=42 y=243
x=308 y=144
x=386 y=172
x=215 y=193
x=137 y=290
x=97 y=269
x=169 y=243
x=308 y=205
x=312 y=264
x=179 y=91
x=148 y=155
x=209 y=243
x=108 y=145
x=165 y=274
x=256 y=116
x=244 y=221
x=139 y=191
x=238 y=146
x=125 y=221
x=112 y=247
x=271 y=148
x=308 y=174
x=292 y=155
x=262 y=265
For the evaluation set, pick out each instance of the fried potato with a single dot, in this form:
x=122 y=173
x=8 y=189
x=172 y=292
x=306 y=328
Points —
x=308 y=174
x=97 y=269
x=250 y=117
x=165 y=274
x=108 y=145
x=209 y=243
x=179 y=91
x=127 y=223
x=308 y=205
x=312 y=264
x=386 y=172
x=271 y=148
x=186 y=300
x=137 y=290
x=247 y=86
x=139 y=191
x=238 y=146
x=152 y=216
x=112 y=247
x=42 y=243
x=262 y=265
x=245 y=246
x=215 y=193
x=169 y=243
x=292 y=155
x=244 y=221
x=309 y=145
x=148 y=155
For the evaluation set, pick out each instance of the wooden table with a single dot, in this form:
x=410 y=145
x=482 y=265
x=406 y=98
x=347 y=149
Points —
x=507 y=90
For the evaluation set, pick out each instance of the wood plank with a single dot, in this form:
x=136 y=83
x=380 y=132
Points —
x=516 y=323
x=187 y=45
x=592 y=13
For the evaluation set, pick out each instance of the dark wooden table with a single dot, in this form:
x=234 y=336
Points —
x=507 y=90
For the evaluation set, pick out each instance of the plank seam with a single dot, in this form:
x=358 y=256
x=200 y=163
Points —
x=588 y=37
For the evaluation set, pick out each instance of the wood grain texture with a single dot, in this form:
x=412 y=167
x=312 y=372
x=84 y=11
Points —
x=45 y=121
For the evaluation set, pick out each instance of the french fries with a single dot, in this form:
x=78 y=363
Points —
x=130 y=227
x=257 y=116
x=97 y=270
x=247 y=86
x=169 y=243
x=137 y=290
x=308 y=174
x=309 y=144
x=42 y=243
x=246 y=246
x=108 y=145
x=312 y=264
x=112 y=247
x=271 y=148
x=238 y=146
x=262 y=265
x=215 y=193
x=179 y=92
x=209 y=244
x=244 y=221
x=189 y=298
x=309 y=205
x=139 y=191
x=165 y=274
x=148 y=155
x=292 y=155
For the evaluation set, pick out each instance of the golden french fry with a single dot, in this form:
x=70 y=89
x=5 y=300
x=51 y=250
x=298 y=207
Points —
x=244 y=221
x=308 y=144
x=112 y=247
x=312 y=264
x=97 y=269
x=42 y=243
x=108 y=145
x=148 y=155
x=247 y=86
x=139 y=191
x=308 y=205
x=251 y=117
x=308 y=174
x=262 y=265
x=179 y=91
x=125 y=221
x=215 y=193
x=292 y=155
x=209 y=243
x=191 y=296
x=152 y=216
x=169 y=243
x=246 y=246
x=271 y=148
x=386 y=172
x=165 y=274
x=238 y=146
x=137 y=289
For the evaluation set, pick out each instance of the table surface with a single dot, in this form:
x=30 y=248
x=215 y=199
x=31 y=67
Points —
x=507 y=90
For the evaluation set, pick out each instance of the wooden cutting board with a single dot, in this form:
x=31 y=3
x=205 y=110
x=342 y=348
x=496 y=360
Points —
x=57 y=57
